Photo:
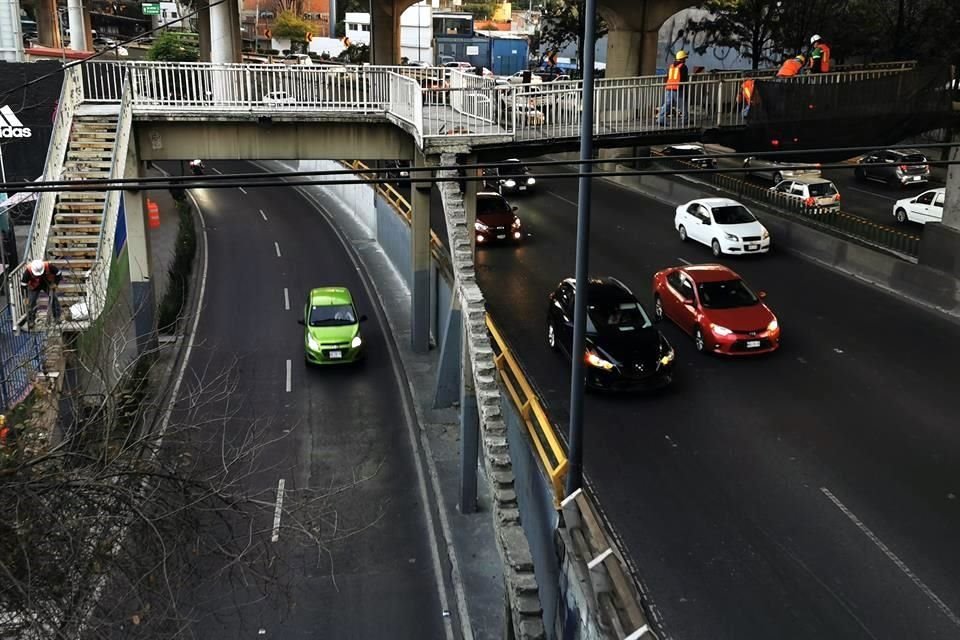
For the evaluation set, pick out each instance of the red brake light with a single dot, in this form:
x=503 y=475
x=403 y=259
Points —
x=774 y=143
x=904 y=167
x=837 y=197
x=809 y=202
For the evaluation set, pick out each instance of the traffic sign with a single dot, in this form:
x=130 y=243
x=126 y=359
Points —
x=150 y=8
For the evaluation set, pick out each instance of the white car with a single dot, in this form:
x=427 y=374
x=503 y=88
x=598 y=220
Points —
x=926 y=207
x=724 y=225
x=817 y=193
x=278 y=99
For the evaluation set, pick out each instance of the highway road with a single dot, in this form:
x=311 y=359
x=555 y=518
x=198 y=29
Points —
x=811 y=493
x=340 y=432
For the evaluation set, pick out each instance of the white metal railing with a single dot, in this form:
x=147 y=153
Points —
x=97 y=279
x=71 y=94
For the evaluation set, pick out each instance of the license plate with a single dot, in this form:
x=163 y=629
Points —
x=753 y=344
x=501 y=236
x=752 y=247
x=334 y=355
x=915 y=178
x=523 y=188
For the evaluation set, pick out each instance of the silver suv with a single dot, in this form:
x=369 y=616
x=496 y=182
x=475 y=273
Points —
x=892 y=166
x=777 y=171
x=810 y=192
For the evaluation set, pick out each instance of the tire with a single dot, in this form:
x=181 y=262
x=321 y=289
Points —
x=658 y=309
x=683 y=233
x=698 y=341
x=715 y=247
x=901 y=215
x=777 y=178
x=551 y=337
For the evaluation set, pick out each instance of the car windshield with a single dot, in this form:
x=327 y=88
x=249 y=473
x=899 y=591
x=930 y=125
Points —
x=726 y=294
x=619 y=316
x=488 y=206
x=913 y=158
x=334 y=315
x=732 y=214
x=514 y=167
x=822 y=189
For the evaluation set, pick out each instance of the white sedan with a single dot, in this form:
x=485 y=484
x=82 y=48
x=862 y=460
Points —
x=924 y=208
x=724 y=225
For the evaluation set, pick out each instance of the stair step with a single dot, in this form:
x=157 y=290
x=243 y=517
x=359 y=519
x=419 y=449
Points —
x=83 y=252
x=92 y=238
x=88 y=227
x=83 y=196
x=69 y=218
x=75 y=205
x=77 y=288
x=88 y=163
x=74 y=264
x=87 y=153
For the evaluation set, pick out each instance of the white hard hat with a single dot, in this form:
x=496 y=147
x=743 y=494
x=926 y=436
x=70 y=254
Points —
x=36 y=267
x=814 y=38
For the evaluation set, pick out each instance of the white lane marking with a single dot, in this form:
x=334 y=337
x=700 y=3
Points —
x=684 y=261
x=289 y=372
x=871 y=193
x=276 y=245
x=219 y=173
x=568 y=201
x=263 y=215
x=893 y=558
x=286 y=299
x=278 y=509
x=242 y=190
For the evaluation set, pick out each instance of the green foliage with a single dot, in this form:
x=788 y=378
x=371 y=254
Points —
x=481 y=10
x=175 y=297
x=172 y=47
x=562 y=24
x=289 y=25
x=355 y=54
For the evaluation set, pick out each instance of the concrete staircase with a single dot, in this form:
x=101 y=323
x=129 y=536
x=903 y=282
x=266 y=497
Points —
x=78 y=215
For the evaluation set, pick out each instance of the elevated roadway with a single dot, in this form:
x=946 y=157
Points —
x=812 y=493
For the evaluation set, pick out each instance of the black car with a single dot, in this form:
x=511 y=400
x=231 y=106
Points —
x=691 y=150
x=510 y=177
x=623 y=349
x=496 y=220
x=901 y=167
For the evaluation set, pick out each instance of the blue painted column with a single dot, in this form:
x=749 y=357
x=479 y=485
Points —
x=420 y=253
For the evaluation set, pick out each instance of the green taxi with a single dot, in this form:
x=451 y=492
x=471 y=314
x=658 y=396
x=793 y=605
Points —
x=331 y=327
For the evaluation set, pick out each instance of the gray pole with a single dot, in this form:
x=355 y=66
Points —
x=577 y=379
x=333 y=19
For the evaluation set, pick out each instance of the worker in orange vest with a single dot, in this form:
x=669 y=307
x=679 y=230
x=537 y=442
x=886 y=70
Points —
x=746 y=92
x=819 y=55
x=41 y=277
x=673 y=91
x=792 y=67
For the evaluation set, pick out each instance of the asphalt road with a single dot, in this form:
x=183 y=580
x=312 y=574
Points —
x=811 y=493
x=339 y=432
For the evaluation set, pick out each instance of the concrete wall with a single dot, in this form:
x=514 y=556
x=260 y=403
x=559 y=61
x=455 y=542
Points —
x=393 y=234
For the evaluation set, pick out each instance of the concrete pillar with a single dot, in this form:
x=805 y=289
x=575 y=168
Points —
x=78 y=40
x=87 y=29
x=203 y=30
x=420 y=254
x=469 y=436
x=385 y=27
x=940 y=246
x=48 y=24
x=631 y=53
x=225 y=43
x=447 y=389
x=138 y=253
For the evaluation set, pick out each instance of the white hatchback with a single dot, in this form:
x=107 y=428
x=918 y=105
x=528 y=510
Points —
x=924 y=208
x=724 y=225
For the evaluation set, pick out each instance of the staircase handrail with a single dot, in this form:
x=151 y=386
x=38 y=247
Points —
x=100 y=273
x=71 y=94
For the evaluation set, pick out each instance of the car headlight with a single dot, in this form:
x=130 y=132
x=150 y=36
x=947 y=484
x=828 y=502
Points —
x=516 y=223
x=510 y=183
x=596 y=361
x=356 y=342
x=667 y=357
x=766 y=234
x=313 y=344
x=481 y=227
x=531 y=181
x=730 y=236
x=773 y=326
x=720 y=330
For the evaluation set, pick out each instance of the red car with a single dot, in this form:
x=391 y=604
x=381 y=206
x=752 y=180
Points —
x=712 y=304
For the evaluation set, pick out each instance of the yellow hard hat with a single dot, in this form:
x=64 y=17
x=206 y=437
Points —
x=681 y=55
x=802 y=58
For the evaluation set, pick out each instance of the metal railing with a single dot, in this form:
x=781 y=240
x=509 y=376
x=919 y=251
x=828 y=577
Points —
x=97 y=279
x=21 y=356
x=71 y=94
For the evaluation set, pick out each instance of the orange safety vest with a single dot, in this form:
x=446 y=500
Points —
x=790 y=68
x=673 y=77
x=747 y=89
x=824 y=59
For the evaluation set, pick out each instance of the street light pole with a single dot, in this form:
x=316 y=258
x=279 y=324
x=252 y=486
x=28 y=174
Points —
x=575 y=435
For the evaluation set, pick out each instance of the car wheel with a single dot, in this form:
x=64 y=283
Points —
x=715 y=246
x=777 y=177
x=551 y=336
x=698 y=340
x=657 y=308
x=901 y=215
x=683 y=233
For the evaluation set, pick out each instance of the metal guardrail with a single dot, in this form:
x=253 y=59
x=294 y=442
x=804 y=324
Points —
x=543 y=436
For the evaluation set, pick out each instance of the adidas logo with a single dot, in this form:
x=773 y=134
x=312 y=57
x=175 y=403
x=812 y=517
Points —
x=10 y=125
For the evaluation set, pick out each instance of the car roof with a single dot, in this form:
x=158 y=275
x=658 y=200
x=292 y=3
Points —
x=689 y=146
x=905 y=152
x=605 y=289
x=709 y=272
x=326 y=296
x=490 y=194
x=717 y=202
x=808 y=180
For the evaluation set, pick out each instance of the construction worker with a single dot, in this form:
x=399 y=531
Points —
x=41 y=277
x=819 y=55
x=673 y=92
x=792 y=67
x=746 y=93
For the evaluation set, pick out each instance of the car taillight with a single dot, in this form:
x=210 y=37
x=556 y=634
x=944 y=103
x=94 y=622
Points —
x=809 y=202
x=837 y=197
x=904 y=168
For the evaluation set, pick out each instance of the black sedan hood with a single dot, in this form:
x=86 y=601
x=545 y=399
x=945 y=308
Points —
x=628 y=347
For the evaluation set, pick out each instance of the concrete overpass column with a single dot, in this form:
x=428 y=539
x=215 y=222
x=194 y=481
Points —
x=138 y=253
x=940 y=246
x=48 y=24
x=420 y=254
x=385 y=39
x=88 y=28
x=626 y=51
x=203 y=30
x=225 y=44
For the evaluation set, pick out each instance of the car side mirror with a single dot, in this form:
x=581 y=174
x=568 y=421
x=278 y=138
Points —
x=762 y=294
x=363 y=318
x=514 y=209
x=705 y=220
x=300 y=321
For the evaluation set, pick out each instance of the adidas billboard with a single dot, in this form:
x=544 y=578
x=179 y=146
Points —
x=10 y=125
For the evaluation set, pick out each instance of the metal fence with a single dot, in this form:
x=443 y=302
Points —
x=20 y=360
